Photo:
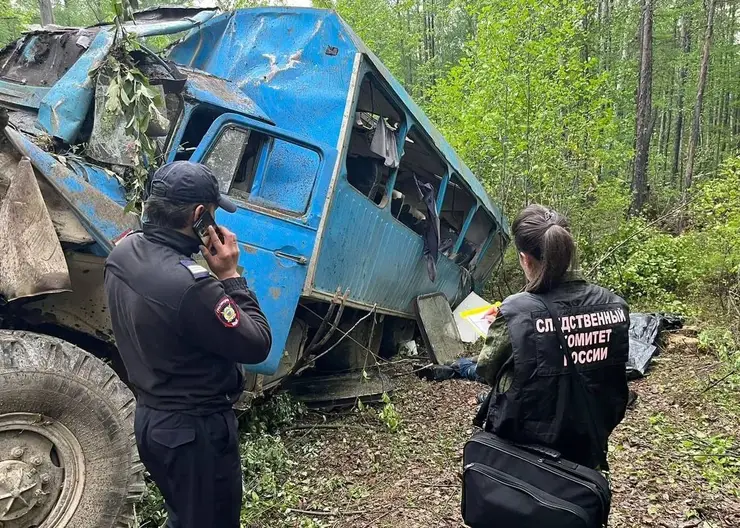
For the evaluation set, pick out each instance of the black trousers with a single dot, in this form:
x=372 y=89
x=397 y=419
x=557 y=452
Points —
x=194 y=460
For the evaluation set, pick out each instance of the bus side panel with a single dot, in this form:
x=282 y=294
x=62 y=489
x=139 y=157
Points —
x=376 y=257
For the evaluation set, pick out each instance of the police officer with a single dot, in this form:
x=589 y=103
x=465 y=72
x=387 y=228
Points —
x=181 y=334
x=534 y=400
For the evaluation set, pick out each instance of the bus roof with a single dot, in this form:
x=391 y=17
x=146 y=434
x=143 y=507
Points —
x=279 y=53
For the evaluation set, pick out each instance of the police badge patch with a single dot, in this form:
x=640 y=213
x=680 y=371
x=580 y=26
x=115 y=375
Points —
x=227 y=312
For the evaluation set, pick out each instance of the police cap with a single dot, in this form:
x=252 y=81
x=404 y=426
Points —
x=188 y=182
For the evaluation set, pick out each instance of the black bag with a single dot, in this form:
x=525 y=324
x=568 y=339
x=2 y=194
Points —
x=506 y=485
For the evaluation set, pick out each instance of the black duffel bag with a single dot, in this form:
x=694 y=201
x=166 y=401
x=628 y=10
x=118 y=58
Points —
x=506 y=485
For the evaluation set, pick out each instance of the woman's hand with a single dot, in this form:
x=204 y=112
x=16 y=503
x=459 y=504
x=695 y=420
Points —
x=491 y=314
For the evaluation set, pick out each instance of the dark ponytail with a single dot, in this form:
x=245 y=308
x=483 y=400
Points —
x=545 y=235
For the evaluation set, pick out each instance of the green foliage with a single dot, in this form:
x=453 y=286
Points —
x=716 y=203
x=726 y=346
x=132 y=100
x=389 y=415
x=527 y=111
x=715 y=456
x=695 y=272
x=651 y=270
x=151 y=511
x=417 y=41
x=266 y=467
x=269 y=488
x=718 y=340
x=276 y=413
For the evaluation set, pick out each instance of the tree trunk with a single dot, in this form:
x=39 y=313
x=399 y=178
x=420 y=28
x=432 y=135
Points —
x=644 y=122
x=703 y=71
x=664 y=151
x=47 y=14
x=685 y=23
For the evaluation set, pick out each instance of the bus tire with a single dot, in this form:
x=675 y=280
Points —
x=67 y=447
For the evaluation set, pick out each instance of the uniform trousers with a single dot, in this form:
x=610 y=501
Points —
x=194 y=460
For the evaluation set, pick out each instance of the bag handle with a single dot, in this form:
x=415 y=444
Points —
x=546 y=452
x=598 y=441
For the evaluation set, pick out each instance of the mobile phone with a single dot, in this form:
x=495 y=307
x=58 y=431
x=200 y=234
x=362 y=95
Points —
x=201 y=226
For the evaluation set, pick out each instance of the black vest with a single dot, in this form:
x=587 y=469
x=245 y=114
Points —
x=542 y=406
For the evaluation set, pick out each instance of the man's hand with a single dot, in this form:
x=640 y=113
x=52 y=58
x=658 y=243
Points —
x=224 y=256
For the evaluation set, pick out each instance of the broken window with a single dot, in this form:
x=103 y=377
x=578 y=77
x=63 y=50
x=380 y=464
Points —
x=456 y=206
x=241 y=186
x=269 y=172
x=288 y=177
x=201 y=119
x=108 y=138
x=372 y=155
x=420 y=163
x=226 y=154
x=475 y=236
x=490 y=256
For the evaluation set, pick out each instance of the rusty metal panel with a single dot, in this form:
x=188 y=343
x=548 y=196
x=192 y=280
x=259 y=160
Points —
x=85 y=308
x=31 y=262
x=438 y=328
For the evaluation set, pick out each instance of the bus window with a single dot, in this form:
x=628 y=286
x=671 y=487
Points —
x=233 y=160
x=200 y=121
x=456 y=206
x=420 y=163
x=262 y=170
x=372 y=153
x=476 y=236
x=491 y=256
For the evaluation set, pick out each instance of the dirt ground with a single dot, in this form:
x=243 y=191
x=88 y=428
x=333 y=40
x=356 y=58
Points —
x=675 y=459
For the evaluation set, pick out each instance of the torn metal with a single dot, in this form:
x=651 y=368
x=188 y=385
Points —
x=32 y=260
x=101 y=216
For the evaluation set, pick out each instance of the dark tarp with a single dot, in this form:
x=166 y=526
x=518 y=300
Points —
x=644 y=332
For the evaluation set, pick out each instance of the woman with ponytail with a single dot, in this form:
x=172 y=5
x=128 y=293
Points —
x=533 y=400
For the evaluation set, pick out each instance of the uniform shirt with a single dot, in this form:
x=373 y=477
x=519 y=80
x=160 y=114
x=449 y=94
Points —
x=493 y=362
x=181 y=333
x=495 y=358
x=533 y=398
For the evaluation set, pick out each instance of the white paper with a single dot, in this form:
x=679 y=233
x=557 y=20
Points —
x=468 y=333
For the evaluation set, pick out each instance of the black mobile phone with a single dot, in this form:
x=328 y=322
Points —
x=201 y=227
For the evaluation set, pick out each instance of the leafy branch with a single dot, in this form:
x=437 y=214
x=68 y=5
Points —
x=131 y=98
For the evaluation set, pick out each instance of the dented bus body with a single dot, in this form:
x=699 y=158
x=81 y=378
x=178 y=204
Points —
x=326 y=155
x=283 y=104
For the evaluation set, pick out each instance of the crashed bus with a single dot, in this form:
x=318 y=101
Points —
x=338 y=177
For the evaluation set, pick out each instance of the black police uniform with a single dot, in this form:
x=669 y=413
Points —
x=181 y=335
x=542 y=406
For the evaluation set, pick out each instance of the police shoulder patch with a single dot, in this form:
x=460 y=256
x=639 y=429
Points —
x=227 y=312
x=196 y=270
x=123 y=235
